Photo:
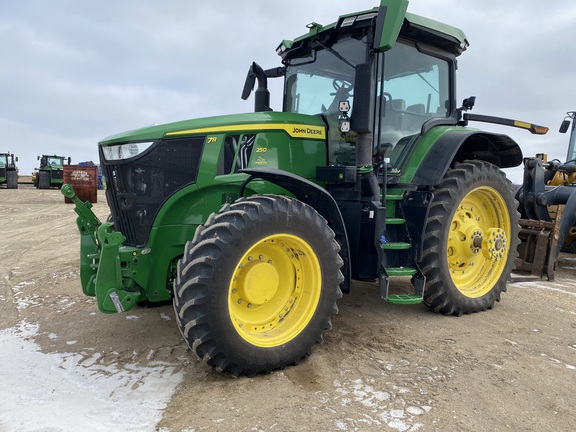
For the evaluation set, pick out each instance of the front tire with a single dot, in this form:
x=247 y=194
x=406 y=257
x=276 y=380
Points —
x=258 y=284
x=43 y=180
x=470 y=239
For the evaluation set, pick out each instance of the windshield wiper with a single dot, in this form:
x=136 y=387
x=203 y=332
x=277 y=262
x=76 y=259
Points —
x=427 y=82
x=336 y=54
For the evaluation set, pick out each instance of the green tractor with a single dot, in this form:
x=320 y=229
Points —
x=51 y=171
x=254 y=224
x=8 y=170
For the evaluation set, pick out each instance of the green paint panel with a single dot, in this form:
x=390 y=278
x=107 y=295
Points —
x=395 y=11
x=421 y=149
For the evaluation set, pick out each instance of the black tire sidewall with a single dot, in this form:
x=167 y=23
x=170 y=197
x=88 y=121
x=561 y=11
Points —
x=43 y=180
x=300 y=221
x=12 y=180
x=484 y=175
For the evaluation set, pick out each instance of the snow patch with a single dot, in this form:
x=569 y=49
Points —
x=68 y=392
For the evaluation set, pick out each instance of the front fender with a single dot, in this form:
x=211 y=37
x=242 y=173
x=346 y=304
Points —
x=316 y=197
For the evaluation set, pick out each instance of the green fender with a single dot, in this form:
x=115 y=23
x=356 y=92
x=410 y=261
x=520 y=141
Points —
x=316 y=197
x=456 y=146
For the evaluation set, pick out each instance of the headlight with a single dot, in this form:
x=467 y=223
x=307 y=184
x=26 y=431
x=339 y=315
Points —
x=125 y=151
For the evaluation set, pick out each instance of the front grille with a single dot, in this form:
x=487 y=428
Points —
x=137 y=188
x=57 y=174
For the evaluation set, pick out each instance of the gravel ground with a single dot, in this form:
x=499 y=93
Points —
x=67 y=367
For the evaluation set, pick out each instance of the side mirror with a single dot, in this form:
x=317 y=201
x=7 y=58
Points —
x=564 y=126
x=468 y=103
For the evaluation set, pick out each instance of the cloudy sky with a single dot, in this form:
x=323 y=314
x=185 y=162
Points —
x=75 y=71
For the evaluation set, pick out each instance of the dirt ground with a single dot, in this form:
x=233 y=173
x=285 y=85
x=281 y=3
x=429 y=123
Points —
x=382 y=367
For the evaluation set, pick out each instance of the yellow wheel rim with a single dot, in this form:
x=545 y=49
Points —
x=479 y=241
x=274 y=290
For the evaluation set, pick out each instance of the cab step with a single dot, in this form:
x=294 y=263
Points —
x=395 y=221
x=401 y=271
x=418 y=281
x=396 y=246
x=404 y=299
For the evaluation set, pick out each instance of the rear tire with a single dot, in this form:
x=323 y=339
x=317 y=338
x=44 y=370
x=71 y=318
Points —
x=12 y=180
x=471 y=239
x=43 y=180
x=258 y=284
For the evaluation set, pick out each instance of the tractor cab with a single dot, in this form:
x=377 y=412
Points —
x=391 y=93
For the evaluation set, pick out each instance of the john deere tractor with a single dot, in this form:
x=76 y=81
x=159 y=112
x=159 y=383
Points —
x=51 y=171
x=255 y=224
x=8 y=170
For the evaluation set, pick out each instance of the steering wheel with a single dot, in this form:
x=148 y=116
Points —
x=342 y=86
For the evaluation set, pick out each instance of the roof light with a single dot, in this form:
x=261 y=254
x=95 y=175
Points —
x=348 y=21
x=284 y=46
x=366 y=16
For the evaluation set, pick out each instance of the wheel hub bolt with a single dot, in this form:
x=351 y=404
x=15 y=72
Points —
x=477 y=241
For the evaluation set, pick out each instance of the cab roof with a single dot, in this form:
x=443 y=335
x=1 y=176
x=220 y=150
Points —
x=414 y=26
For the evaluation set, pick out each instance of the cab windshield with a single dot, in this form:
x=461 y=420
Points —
x=412 y=87
x=54 y=160
x=321 y=78
x=317 y=82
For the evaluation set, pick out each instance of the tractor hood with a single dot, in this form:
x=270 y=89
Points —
x=296 y=125
x=145 y=167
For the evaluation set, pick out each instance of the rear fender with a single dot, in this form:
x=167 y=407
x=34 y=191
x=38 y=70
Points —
x=316 y=197
x=450 y=148
x=500 y=150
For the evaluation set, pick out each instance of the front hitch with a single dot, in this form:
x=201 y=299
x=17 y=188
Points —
x=87 y=221
x=100 y=267
x=110 y=295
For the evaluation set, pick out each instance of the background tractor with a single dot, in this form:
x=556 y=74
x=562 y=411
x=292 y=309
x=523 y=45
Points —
x=255 y=224
x=8 y=170
x=51 y=171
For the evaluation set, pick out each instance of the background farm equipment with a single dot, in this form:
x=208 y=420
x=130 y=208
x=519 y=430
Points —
x=51 y=171
x=8 y=170
x=548 y=208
